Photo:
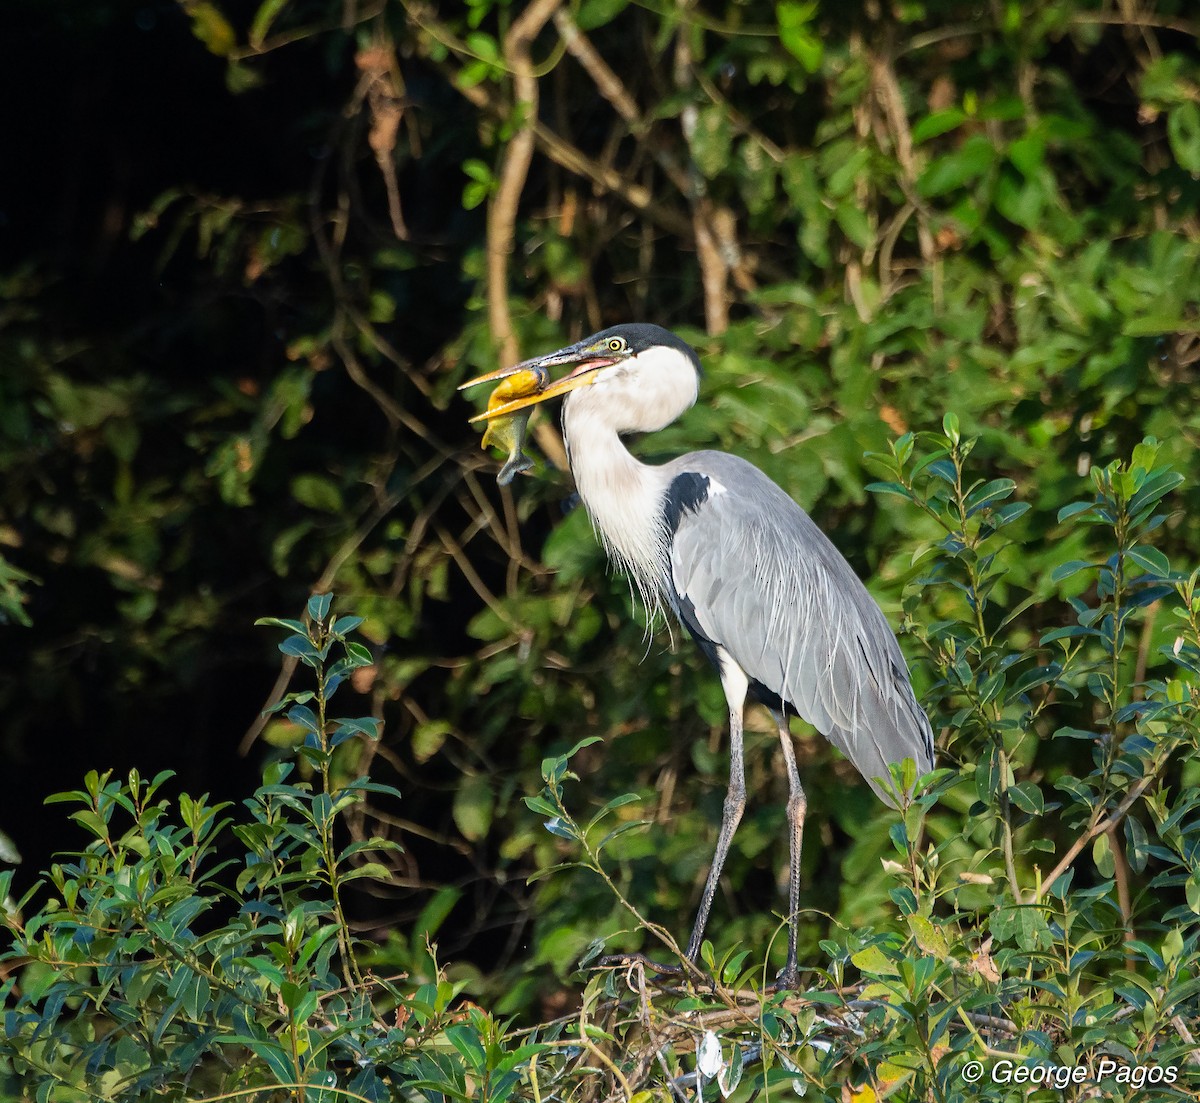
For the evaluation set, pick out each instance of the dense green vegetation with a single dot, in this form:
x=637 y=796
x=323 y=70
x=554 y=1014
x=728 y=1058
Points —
x=949 y=250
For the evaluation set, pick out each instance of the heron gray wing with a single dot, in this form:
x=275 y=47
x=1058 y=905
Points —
x=753 y=574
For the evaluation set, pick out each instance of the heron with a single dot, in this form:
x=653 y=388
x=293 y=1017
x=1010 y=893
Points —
x=770 y=601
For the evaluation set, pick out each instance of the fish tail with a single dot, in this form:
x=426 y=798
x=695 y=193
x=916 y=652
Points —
x=518 y=463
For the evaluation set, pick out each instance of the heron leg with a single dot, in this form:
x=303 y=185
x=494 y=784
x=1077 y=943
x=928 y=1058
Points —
x=735 y=684
x=797 y=806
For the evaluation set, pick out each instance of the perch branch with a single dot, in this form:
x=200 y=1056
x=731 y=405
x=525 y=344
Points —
x=1097 y=827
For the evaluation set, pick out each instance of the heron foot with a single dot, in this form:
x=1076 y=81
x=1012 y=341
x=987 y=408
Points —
x=686 y=968
x=786 y=980
x=613 y=961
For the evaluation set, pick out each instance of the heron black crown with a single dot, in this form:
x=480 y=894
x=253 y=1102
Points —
x=641 y=336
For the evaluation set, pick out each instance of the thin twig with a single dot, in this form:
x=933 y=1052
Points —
x=1185 y=1035
x=714 y=267
x=518 y=155
x=736 y=118
x=454 y=549
x=298 y=34
x=610 y=86
x=607 y=83
x=322 y=584
x=886 y=87
x=502 y=212
x=1121 y=876
x=993 y=1022
x=1144 y=645
x=1095 y=828
x=385 y=101
x=1158 y=22
x=604 y=178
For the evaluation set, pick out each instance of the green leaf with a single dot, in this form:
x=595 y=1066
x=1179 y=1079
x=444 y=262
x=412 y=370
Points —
x=616 y=802
x=1158 y=484
x=996 y=490
x=931 y=939
x=873 y=961
x=475 y=195
x=598 y=13
x=211 y=27
x=1154 y=323
x=267 y=13
x=270 y=1053
x=890 y=488
x=1020 y=201
x=1150 y=559
x=796 y=34
x=304 y=717
x=465 y=1039
x=940 y=122
x=1172 y=949
x=1028 y=154
x=953 y=170
x=1023 y=924
x=300 y=648
x=344 y=625
x=855 y=224
x=1074 y=508
x=276 y=622
x=1068 y=732
x=1070 y=568
x=1183 y=132
x=473 y=806
x=556 y=826
x=1028 y=797
x=358 y=725
x=586 y=741
x=428 y=738
x=1007 y=514
x=1191 y=890
x=540 y=805
x=317 y=492
x=1138 y=850
x=377 y=870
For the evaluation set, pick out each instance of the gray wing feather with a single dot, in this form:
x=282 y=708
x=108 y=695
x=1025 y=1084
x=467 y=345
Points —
x=759 y=578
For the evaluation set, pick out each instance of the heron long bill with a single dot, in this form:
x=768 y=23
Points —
x=583 y=358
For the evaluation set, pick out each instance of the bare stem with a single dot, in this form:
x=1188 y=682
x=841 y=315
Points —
x=1094 y=828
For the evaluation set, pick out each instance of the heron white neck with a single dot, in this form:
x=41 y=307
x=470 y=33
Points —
x=624 y=499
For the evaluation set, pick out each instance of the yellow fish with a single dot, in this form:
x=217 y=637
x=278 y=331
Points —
x=509 y=430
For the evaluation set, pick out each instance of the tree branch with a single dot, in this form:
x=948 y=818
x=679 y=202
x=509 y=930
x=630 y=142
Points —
x=502 y=215
x=1097 y=827
x=604 y=178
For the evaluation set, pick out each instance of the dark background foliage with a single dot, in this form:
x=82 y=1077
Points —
x=249 y=252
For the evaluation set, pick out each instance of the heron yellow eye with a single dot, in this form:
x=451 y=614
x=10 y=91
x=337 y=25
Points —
x=616 y=343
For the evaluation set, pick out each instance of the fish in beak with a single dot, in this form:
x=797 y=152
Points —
x=583 y=359
x=507 y=419
x=523 y=386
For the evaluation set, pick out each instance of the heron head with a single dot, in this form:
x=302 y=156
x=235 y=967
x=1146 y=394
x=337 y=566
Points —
x=634 y=378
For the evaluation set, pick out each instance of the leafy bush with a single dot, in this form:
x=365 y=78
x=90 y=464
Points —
x=1041 y=891
x=161 y=967
x=1005 y=944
